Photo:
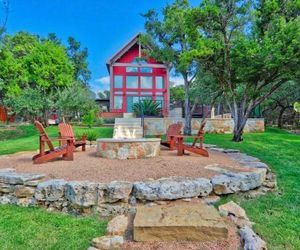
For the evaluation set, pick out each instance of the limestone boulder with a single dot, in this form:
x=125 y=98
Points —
x=118 y=225
x=229 y=183
x=19 y=178
x=172 y=188
x=108 y=242
x=243 y=158
x=190 y=222
x=23 y=191
x=251 y=240
x=232 y=208
x=82 y=193
x=117 y=191
x=8 y=199
x=6 y=188
x=107 y=210
x=52 y=190
x=255 y=165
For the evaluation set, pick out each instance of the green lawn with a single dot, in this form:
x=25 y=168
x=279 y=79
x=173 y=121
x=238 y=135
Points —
x=277 y=215
x=29 y=139
x=32 y=228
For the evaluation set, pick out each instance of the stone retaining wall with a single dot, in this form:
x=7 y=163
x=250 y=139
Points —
x=118 y=197
x=158 y=126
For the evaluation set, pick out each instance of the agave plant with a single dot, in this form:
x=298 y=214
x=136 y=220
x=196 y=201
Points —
x=147 y=108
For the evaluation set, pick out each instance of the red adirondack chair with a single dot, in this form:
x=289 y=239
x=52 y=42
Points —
x=181 y=146
x=66 y=132
x=66 y=151
x=172 y=131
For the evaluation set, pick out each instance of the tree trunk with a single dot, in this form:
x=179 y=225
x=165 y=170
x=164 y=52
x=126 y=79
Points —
x=279 y=121
x=187 y=110
x=239 y=128
x=240 y=119
x=45 y=118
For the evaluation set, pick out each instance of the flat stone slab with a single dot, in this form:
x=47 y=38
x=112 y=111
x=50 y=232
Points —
x=191 y=222
x=240 y=157
x=171 y=188
x=19 y=178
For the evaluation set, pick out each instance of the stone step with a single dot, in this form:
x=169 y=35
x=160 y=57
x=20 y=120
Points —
x=127 y=126
x=187 y=222
x=127 y=119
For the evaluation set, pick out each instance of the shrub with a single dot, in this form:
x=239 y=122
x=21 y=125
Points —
x=147 y=107
x=109 y=120
x=99 y=121
x=91 y=136
x=80 y=134
x=89 y=118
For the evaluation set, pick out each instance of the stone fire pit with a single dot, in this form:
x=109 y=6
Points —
x=124 y=149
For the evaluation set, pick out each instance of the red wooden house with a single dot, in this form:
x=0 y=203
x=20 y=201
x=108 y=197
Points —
x=134 y=77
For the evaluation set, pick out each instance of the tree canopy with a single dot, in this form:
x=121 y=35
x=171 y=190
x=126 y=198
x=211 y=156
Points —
x=26 y=61
x=249 y=48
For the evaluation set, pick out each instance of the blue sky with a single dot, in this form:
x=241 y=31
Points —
x=103 y=26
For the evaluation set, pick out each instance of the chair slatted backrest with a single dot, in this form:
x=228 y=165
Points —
x=201 y=129
x=43 y=134
x=174 y=129
x=66 y=130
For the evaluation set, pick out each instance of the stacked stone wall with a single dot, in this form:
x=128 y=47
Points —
x=118 y=197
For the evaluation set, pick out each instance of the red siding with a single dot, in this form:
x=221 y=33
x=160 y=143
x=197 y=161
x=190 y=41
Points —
x=128 y=57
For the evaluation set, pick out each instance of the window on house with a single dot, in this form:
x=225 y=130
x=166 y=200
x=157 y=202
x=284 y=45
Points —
x=146 y=82
x=146 y=93
x=142 y=98
x=160 y=100
x=131 y=69
x=159 y=82
x=132 y=82
x=132 y=93
x=118 y=81
x=118 y=102
x=140 y=62
x=146 y=69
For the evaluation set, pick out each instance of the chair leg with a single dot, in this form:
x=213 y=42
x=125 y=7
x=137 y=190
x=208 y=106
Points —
x=180 y=149
x=172 y=143
x=70 y=151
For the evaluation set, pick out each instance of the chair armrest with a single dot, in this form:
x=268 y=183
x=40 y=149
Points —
x=59 y=139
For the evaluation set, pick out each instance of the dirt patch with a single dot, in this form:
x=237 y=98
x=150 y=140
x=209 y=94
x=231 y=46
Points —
x=87 y=166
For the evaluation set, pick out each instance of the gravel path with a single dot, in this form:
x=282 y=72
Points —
x=87 y=166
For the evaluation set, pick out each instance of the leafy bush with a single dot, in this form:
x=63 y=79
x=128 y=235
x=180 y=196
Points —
x=74 y=101
x=91 y=136
x=89 y=118
x=81 y=134
x=147 y=107
x=99 y=121
x=109 y=120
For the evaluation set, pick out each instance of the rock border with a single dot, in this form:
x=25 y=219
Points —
x=119 y=197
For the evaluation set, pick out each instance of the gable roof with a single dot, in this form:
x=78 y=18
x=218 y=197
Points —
x=123 y=50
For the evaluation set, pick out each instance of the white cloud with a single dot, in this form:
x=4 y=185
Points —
x=176 y=81
x=103 y=80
